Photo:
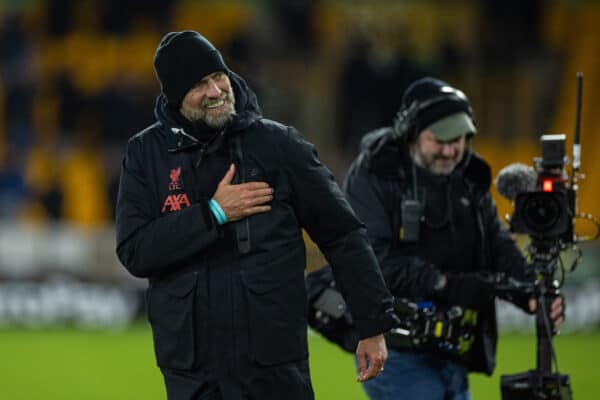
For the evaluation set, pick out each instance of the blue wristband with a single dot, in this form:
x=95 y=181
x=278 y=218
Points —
x=214 y=208
x=217 y=211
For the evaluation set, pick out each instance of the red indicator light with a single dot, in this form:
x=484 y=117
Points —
x=547 y=185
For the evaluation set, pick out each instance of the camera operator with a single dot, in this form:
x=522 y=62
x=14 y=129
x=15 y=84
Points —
x=424 y=196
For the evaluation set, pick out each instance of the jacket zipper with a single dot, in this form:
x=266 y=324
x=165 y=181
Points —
x=204 y=147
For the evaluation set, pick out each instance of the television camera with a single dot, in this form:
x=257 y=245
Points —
x=545 y=208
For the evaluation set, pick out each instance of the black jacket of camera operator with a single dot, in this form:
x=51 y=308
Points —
x=459 y=230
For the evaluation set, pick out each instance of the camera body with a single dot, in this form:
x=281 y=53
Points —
x=548 y=211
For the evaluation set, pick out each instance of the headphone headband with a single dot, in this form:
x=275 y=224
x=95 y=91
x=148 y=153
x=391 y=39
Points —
x=405 y=120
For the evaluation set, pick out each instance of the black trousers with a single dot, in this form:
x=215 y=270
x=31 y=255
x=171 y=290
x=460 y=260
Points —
x=290 y=381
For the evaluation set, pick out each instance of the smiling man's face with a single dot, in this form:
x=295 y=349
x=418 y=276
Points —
x=211 y=100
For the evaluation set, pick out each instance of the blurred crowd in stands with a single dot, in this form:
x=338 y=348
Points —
x=76 y=78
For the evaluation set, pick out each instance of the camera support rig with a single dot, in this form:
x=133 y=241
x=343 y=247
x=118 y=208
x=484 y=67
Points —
x=541 y=383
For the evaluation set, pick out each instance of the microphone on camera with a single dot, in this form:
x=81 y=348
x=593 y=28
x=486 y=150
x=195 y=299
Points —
x=514 y=179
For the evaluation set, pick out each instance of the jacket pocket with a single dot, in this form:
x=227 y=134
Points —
x=171 y=311
x=280 y=185
x=276 y=300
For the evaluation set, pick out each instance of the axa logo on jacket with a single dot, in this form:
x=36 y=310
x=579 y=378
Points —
x=174 y=202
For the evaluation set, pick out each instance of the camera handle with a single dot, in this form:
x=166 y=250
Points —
x=545 y=293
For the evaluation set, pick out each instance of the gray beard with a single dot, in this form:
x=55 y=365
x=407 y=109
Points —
x=217 y=121
x=418 y=159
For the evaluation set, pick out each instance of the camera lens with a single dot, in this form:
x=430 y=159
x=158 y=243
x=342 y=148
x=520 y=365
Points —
x=541 y=212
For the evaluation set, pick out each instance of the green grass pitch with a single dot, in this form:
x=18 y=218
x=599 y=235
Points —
x=77 y=364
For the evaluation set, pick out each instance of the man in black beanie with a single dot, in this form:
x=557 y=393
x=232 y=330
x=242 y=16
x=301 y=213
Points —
x=424 y=197
x=212 y=202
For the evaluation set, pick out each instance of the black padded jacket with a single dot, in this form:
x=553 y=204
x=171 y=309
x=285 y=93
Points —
x=460 y=231
x=229 y=298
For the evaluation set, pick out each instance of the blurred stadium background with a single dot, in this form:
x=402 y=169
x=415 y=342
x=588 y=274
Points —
x=76 y=80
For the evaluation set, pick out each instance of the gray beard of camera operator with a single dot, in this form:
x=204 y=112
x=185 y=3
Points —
x=436 y=156
x=424 y=197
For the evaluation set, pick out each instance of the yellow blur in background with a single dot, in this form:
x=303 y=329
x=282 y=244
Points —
x=518 y=71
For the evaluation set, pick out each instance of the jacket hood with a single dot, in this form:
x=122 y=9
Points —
x=179 y=129
x=384 y=155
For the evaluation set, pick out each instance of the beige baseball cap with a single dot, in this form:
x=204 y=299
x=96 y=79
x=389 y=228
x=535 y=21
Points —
x=452 y=127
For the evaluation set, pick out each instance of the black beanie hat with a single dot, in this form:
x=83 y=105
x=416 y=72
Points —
x=182 y=59
x=445 y=101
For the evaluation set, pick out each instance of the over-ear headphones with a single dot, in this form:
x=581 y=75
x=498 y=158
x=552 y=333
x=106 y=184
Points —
x=405 y=122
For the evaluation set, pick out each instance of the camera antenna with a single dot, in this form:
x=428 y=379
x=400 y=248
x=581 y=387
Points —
x=577 y=140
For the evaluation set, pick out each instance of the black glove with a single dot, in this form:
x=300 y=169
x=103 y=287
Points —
x=471 y=290
x=323 y=297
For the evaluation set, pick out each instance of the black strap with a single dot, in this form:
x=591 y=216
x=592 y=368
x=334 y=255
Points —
x=242 y=227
